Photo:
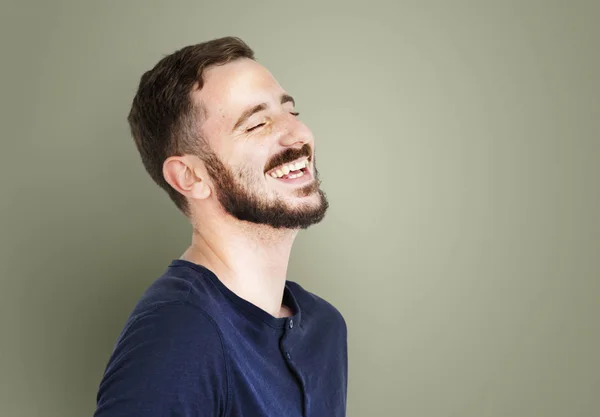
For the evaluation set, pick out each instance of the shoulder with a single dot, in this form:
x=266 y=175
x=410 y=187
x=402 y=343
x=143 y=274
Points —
x=173 y=325
x=180 y=282
x=168 y=357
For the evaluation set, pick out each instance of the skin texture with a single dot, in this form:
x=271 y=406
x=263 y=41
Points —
x=244 y=220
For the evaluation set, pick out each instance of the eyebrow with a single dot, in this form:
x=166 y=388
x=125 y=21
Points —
x=285 y=98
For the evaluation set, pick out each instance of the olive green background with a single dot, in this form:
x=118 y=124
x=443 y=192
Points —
x=459 y=145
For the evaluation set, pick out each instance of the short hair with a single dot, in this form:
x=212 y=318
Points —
x=164 y=121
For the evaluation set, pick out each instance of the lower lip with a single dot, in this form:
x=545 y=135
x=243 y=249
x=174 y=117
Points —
x=307 y=177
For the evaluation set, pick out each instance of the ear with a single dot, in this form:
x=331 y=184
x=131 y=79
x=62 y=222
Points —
x=187 y=175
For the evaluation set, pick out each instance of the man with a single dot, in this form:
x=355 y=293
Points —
x=223 y=332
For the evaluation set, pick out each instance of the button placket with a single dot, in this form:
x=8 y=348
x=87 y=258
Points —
x=290 y=326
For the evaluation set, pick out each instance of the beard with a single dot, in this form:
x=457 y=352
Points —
x=233 y=190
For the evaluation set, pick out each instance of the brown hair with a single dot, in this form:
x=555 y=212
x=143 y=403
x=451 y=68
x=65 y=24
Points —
x=163 y=119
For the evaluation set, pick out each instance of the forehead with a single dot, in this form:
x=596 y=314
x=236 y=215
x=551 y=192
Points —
x=230 y=89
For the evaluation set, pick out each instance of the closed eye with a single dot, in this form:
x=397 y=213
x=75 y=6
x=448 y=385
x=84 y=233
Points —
x=255 y=127
x=262 y=124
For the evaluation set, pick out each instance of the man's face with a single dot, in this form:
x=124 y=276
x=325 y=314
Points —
x=262 y=157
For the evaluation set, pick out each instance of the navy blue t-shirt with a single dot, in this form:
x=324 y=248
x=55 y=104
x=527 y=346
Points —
x=193 y=348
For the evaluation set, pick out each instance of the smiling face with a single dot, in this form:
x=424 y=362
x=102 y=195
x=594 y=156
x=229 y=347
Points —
x=261 y=159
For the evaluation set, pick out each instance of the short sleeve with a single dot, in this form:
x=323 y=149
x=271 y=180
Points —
x=169 y=362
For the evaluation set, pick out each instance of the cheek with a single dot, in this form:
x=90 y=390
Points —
x=254 y=157
x=250 y=173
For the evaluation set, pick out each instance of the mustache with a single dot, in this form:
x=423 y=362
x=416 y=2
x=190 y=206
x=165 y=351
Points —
x=288 y=155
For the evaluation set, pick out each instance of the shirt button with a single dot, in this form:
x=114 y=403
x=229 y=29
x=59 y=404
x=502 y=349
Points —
x=291 y=324
x=287 y=355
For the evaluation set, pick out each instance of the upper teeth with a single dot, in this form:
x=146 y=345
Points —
x=285 y=169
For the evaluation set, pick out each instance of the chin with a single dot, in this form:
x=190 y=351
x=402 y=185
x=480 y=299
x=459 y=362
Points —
x=299 y=198
x=315 y=201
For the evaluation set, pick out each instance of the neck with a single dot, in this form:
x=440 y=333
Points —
x=251 y=260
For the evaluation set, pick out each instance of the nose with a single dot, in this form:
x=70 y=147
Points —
x=294 y=133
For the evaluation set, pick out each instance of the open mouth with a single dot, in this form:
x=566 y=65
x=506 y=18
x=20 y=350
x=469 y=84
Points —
x=291 y=170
